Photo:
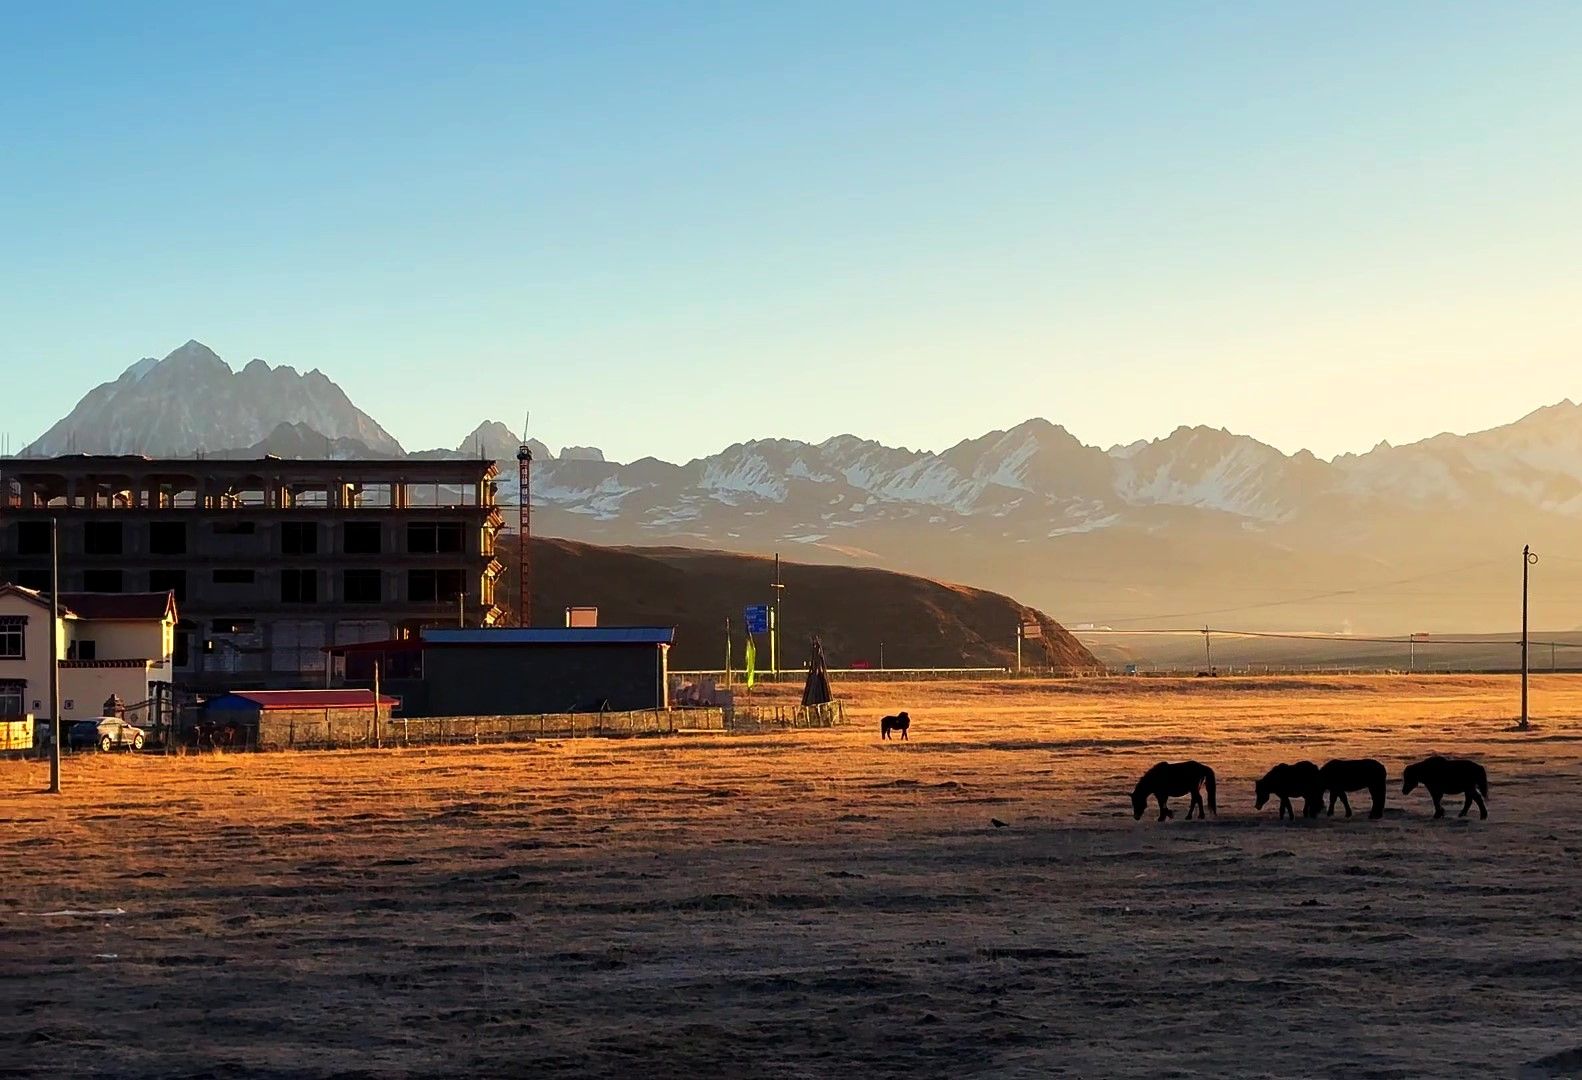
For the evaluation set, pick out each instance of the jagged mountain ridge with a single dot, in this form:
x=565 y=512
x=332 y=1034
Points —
x=1193 y=520
x=192 y=401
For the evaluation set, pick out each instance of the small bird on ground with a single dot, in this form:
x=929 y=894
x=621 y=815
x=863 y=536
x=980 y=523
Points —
x=998 y=824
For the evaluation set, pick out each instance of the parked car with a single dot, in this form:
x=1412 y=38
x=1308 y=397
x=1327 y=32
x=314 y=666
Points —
x=104 y=732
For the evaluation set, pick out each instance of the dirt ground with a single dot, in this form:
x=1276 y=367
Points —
x=814 y=903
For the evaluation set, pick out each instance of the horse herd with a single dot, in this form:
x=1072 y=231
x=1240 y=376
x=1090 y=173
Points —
x=1438 y=775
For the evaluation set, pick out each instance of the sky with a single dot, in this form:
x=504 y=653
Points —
x=667 y=228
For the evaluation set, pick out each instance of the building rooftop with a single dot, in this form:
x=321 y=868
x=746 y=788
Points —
x=111 y=607
x=268 y=700
x=552 y=635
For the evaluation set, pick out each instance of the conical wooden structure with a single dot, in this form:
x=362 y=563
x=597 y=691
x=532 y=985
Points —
x=817 y=691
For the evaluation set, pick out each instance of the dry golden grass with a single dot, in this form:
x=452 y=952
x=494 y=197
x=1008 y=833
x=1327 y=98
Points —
x=812 y=902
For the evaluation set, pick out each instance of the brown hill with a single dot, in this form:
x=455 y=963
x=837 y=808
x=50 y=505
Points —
x=921 y=623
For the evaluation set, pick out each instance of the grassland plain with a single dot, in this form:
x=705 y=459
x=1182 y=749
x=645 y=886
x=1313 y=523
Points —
x=816 y=902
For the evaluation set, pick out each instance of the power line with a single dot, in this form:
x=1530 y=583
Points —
x=1330 y=595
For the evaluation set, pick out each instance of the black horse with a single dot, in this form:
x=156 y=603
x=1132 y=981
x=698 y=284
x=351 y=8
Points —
x=1353 y=774
x=1288 y=782
x=1449 y=776
x=899 y=722
x=1168 y=779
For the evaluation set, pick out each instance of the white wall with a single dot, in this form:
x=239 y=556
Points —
x=145 y=640
x=83 y=690
x=34 y=668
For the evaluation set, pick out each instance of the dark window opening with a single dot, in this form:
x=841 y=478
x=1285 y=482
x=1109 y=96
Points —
x=233 y=577
x=433 y=586
x=299 y=586
x=235 y=528
x=435 y=537
x=182 y=653
x=172 y=581
x=13 y=698
x=82 y=650
x=362 y=538
x=361 y=586
x=102 y=581
x=299 y=538
x=33 y=579
x=32 y=538
x=101 y=538
x=167 y=538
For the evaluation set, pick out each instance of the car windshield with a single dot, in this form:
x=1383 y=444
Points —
x=85 y=725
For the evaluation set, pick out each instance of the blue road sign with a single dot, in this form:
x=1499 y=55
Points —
x=757 y=616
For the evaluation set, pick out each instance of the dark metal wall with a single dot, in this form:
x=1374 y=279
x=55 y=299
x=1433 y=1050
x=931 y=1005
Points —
x=497 y=680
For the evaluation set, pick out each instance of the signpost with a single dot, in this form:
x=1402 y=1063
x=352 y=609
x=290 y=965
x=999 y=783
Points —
x=1026 y=631
x=757 y=618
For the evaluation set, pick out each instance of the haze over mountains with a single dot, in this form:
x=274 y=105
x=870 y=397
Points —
x=1201 y=525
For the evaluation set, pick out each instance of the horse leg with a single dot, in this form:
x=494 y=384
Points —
x=1483 y=811
x=1378 y=805
x=1285 y=808
x=1466 y=805
x=903 y=734
x=1165 y=813
x=1439 y=810
x=1346 y=803
x=1332 y=798
x=1197 y=802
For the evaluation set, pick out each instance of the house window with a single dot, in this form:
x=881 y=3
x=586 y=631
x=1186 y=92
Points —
x=13 y=698
x=82 y=650
x=434 y=537
x=13 y=637
x=361 y=586
x=362 y=538
x=235 y=576
x=167 y=538
x=32 y=538
x=101 y=581
x=171 y=581
x=299 y=586
x=183 y=645
x=101 y=538
x=299 y=538
x=433 y=586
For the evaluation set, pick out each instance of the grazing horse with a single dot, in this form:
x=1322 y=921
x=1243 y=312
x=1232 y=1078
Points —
x=1289 y=781
x=1449 y=776
x=899 y=722
x=1168 y=779
x=1353 y=774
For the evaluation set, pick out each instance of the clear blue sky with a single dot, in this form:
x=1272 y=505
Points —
x=666 y=230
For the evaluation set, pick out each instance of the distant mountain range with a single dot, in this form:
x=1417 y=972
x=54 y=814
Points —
x=1199 y=526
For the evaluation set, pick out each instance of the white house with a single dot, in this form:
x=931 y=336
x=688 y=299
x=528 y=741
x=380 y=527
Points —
x=116 y=644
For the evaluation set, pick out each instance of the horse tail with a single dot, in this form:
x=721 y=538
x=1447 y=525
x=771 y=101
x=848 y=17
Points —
x=1483 y=782
x=1208 y=783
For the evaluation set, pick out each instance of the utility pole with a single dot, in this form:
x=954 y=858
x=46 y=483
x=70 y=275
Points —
x=727 y=652
x=1208 y=654
x=1528 y=559
x=524 y=528
x=881 y=656
x=461 y=609
x=774 y=622
x=377 y=741
x=1018 y=648
x=54 y=656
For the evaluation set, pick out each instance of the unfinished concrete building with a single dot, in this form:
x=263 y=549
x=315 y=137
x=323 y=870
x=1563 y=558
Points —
x=270 y=560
